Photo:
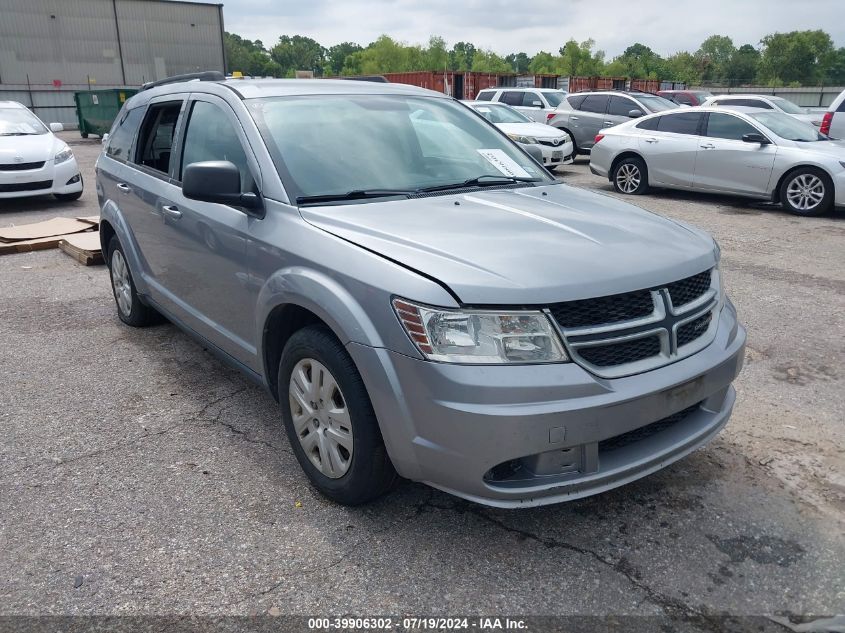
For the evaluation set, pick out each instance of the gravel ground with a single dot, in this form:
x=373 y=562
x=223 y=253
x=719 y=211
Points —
x=138 y=475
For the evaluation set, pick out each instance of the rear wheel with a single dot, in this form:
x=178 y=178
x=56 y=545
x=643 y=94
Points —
x=330 y=421
x=630 y=176
x=807 y=191
x=130 y=309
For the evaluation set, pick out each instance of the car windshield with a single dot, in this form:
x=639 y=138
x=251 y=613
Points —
x=369 y=146
x=655 y=103
x=554 y=97
x=496 y=113
x=787 y=106
x=19 y=122
x=788 y=127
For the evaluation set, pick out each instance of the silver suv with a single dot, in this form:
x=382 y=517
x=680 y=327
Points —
x=419 y=295
x=583 y=115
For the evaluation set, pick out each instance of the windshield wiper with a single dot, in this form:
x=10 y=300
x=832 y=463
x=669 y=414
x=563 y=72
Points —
x=480 y=181
x=355 y=194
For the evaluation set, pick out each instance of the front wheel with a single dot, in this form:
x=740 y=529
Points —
x=329 y=419
x=130 y=309
x=807 y=191
x=630 y=176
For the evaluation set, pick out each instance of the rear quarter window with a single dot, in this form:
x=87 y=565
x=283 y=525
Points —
x=649 y=124
x=123 y=133
x=485 y=95
x=576 y=100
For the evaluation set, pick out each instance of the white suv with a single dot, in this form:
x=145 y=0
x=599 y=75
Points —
x=535 y=103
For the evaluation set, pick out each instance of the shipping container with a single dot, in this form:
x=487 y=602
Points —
x=645 y=85
x=461 y=85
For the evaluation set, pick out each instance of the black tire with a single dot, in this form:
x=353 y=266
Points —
x=630 y=176
x=84 y=134
x=370 y=472
x=798 y=180
x=574 y=144
x=68 y=197
x=138 y=314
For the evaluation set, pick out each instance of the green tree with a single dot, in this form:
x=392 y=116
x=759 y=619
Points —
x=682 y=66
x=298 y=52
x=489 y=62
x=640 y=62
x=436 y=55
x=519 y=62
x=742 y=67
x=579 y=59
x=799 y=56
x=836 y=71
x=248 y=57
x=461 y=56
x=714 y=55
x=335 y=57
x=543 y=63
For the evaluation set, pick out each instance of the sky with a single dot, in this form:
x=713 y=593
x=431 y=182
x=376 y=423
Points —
x=508 y=26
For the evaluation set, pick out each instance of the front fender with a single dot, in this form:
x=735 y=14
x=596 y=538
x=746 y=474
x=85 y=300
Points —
x=110 y=212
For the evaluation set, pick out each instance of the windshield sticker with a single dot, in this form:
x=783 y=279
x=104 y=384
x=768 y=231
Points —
x=504 y=163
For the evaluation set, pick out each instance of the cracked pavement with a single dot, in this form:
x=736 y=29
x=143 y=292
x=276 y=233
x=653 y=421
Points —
x=138 y=475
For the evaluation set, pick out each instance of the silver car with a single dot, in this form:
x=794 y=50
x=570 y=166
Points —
x=739 y=151
x=420 y=296
x=767 y=102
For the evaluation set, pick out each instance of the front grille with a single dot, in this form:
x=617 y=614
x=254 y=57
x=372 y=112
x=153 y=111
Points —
x=645 y=432
x=26 y=186
x=21 y=166
x=688 y=332
x=550 y=143
x=603 y=310
x=621 y=353
x=689 y=289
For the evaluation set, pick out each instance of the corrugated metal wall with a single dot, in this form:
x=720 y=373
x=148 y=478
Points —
x=42 y=41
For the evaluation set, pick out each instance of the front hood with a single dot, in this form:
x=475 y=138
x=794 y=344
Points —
x=539 y=130
x=520 y=247
x=29 y=149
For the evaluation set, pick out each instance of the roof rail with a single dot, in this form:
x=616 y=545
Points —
x=209 y=75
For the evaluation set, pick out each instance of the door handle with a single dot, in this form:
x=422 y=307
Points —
x=171 y=212
x=124 y=187
x=708 y=146
x=574 y=118
x=651 y=140
x=608 y=122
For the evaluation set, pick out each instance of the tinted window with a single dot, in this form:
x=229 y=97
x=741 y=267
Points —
x=530 y=98
x=727 y=126
x=685 y=123
x=683 y=99
x=155 y=142
x=554 y=98
x=211 y=136
x=649 y=124
x=746 y=103
x=511 y=98
x=576 y=100
x=595 y=103
x=485 y=95
x=621 y=106
x=123 y=133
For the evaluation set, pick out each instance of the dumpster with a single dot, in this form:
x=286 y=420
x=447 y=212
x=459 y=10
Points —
x=96 y=110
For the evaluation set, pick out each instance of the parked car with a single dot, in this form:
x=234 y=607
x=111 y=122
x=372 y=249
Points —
x=767 y=102
x=686 y=97
x=535 y=103
x=748 y=152
x=33 y=161
x=833 y=121
x=584 y=114
x=441 y=308
x=555 y=145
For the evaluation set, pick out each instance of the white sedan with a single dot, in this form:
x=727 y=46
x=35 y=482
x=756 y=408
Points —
x=556 y=146
x=33 y=161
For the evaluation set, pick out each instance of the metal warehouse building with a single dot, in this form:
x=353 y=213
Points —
x=51 y=48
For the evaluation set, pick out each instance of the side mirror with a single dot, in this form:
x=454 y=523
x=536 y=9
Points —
x=635 y=114
x=57 y=127
x=756 y=137
x=537 y=104
x=105 y=139
x=217 y=181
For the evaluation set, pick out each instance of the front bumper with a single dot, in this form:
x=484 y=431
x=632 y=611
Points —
x=563 y=154
x=49 y=179
x=455 y=427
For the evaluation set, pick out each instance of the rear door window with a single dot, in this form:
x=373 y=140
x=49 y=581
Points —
x=123 y=133
x=746 y=103
x=512 y=98
x=155 y=143
x=682 y=123
x=728 y=127
x=595 y=103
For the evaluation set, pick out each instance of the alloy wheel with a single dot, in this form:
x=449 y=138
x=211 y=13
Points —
x=628 y=178
x=121 y=284
x=805 y=192
x=321 y=418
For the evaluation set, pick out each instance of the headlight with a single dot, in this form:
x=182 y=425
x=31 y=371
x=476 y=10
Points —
x=480 y=336
x=64 y=155
x=525 y=140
